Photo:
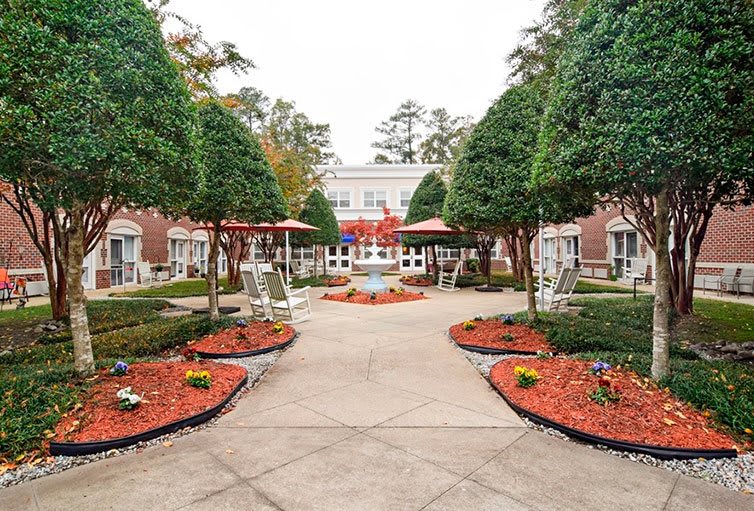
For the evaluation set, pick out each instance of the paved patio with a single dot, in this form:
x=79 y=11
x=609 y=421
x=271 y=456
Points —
x=372 y=408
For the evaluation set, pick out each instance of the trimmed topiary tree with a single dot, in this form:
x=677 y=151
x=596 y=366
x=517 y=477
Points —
x=653 y=108
x=94 y=118
x=426 y=203
x=237 y=183
x=318 y=212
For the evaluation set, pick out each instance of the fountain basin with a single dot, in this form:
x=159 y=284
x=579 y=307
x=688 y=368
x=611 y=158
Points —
x=374 y=266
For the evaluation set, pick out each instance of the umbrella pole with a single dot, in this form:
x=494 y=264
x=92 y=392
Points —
x=287 y=256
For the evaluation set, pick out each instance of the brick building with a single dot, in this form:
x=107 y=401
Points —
x=602 y=244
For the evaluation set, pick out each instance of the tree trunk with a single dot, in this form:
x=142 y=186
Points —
x=435 y=269
x=214 y=244
x=531 y=300
x=484 y=244
x=662 y=301
x=517 y=267
x=83 y=357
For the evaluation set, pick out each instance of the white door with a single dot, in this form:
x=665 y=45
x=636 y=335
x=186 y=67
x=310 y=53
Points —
x=549 y=255
x=178 y=259
x=122 y=260
x=571 y=251
x=339 y=258
x=412 y=259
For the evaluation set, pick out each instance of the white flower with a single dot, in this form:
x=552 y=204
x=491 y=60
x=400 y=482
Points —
x=133 y=399
x=124 y=393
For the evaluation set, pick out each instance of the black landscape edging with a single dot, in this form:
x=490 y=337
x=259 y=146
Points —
x=657 y=451
x=252 y=353
x=488 y=289
x=83 y=448
x=493 y=351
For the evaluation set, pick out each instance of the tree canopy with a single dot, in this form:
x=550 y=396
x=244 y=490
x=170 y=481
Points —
x=318 y=212
x=237 y=182
x=427 y=202
x=91 y=121
x=401 y=134
x=653 y=106
x=445 y=137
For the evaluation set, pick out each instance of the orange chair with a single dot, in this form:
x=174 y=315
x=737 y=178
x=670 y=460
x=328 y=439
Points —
x=6 y=286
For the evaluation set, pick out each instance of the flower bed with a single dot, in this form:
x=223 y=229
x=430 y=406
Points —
x=361 y=297
x=168 y=403
x=414 y=281
x=494 y=336
x=244 y=340
x=337 y=281
x=615 y=407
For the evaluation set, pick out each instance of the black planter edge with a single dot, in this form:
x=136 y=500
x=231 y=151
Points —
x=252 y=353
x=493 y=351
x=488 y=289
x=656 y=451
x=83 y=448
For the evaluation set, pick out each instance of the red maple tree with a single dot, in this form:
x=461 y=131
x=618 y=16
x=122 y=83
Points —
x=382 y=230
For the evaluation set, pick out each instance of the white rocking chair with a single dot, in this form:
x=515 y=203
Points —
x=147 y=278
x=560 y=291
x=259 y=301
x=286 y=305
x=447 y=281
x=638 y=270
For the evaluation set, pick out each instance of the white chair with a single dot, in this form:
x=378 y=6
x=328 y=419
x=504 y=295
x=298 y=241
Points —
x=147 y=278
x=447 y=281
x=560 y=291
x=286 y=305
x=259 y=269
x=300 y=271
x=727 y=279
x=259 y=301
x=638 y=270
x=508 y=263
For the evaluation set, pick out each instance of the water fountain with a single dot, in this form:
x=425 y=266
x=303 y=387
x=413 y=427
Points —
x=374 y=266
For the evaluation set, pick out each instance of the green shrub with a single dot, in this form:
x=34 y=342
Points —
x=32 y=400
x=109 y=315
x=180 y=289
x=144 y=340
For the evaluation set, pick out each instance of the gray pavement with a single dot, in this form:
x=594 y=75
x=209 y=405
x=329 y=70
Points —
x=372 y=409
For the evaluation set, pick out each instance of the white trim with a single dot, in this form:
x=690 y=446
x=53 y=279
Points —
x=723 y=265
x=124 y=227
x=375 y=171
x=410 y=189
x=619 y=224
x=178 y=233
x=570 y=230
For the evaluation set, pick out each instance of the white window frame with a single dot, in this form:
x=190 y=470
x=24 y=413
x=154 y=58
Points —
x=196 y=249
x=574 y=241
x=401 y=192
x=497 y=251
x=308 y=253
x=341 y=196
x=549 y=254
x=624 y=256
x=374 y=200
x=448 y=253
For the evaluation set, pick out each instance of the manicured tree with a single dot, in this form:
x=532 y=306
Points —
x=94 y=117
x=318 y=212
x=427 y=202
x=490 y=191
x=653 y=107
x=237 y=183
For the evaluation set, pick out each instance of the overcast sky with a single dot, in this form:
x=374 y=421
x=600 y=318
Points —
x=351 y=63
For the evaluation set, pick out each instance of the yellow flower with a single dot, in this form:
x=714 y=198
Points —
x=204 y=374
x=189 y=373
x=518 y=370
x=748 y=431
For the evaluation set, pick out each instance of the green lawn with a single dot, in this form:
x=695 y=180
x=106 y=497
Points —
x=619 y=331
x=38 y=383
x=179 y=289
x=505 y=279
x=318 y=281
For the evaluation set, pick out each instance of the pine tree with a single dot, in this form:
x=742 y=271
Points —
x=318 y=212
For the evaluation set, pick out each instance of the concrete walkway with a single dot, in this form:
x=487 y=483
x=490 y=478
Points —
x=372 y=408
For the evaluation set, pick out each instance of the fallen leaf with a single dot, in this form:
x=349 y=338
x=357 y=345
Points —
x=167 y=444
x=668 y=421
x=229 y=451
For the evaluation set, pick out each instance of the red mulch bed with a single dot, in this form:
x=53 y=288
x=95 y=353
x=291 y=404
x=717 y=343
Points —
x=340 y=281
x=410 y=281
x=167 y=398
x=382 y=298
x=255 y=336
x=644 y=415
x=488 y=334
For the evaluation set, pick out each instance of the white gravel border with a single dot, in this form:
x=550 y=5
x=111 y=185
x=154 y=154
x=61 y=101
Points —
x=733 y=473
x=255 y=366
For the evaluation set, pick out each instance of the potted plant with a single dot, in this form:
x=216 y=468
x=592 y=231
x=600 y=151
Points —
x=162 y=274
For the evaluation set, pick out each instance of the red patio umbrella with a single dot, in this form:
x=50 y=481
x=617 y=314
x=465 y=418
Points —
x=288 y=225
x=432 y=227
